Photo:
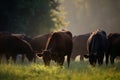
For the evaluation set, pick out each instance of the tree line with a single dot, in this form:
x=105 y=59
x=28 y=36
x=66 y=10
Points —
x=31 y=16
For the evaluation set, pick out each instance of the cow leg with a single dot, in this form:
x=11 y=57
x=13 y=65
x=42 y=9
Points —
x=46 y=61
x=73 y=57
x=68 y=58
x=81 y=58
x=112 y=59
x=14 y=58
x=23 y=57
x=60 y=61
x=7 y=58
x=100 y=58
x=35 y=58
x=0 y=57
x=107 y=58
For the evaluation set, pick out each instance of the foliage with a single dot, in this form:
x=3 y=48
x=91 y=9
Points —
x=30 y=16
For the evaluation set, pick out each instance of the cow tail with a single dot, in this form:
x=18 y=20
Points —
x=68 y=59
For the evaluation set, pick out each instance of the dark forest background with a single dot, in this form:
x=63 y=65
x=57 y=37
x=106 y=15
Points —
x=31 y=16
x=42 y=16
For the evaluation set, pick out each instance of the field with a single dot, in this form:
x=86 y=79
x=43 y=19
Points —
x=77 y=71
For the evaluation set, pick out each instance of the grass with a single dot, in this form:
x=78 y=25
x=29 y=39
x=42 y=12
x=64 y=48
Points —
x=77 y=71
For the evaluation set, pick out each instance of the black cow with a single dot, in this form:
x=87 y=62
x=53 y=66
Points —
x=58 y=46
x=97 y=46
x=12 y=46
x=113 y=47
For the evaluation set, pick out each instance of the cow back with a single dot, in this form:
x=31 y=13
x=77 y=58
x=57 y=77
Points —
x=97 y=40
x=60 y=41
x=80 y=44
x=39 y=42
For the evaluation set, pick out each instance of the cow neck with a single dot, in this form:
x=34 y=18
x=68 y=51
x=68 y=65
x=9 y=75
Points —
x=48 y=41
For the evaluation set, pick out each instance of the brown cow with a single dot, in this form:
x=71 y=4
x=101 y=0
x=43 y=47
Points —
x=58 y=46
x=39 y=42
x=1 y=35
x=12 y=46
x=20 y=36
x=80 y=46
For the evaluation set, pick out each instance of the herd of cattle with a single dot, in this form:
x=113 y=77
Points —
x=56 y=45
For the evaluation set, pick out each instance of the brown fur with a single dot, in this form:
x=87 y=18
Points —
x=39 y=42
x=60 y=45
x=12 y=46
x=80 y=46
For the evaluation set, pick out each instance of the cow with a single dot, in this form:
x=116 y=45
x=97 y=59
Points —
x=25 y=38
x=113 y=47
x=97 y=47
x=3 y=33
x=39 y=42
x=20 y=36
x=12 y=46
x=80 y=46
x=58 y=45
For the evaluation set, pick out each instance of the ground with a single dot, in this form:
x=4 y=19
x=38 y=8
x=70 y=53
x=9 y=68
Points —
x=77 y=71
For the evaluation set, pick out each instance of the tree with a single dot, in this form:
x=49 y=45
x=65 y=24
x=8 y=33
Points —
x=31 y=16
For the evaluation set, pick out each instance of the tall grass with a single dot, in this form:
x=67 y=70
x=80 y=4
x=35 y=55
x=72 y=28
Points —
x=77 y=71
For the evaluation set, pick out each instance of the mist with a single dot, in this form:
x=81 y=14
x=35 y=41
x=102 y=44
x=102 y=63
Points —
x=85 y=16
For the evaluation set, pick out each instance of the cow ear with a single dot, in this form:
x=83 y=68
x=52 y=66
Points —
x=86 y=56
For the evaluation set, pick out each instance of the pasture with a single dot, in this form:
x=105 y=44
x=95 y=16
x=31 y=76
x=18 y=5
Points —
x=77 y=71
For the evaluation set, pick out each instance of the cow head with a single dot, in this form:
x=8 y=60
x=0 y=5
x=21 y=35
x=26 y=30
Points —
x=46 y=54
x=92 y=58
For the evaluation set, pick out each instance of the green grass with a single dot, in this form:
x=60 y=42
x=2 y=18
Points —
x=77 y=71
